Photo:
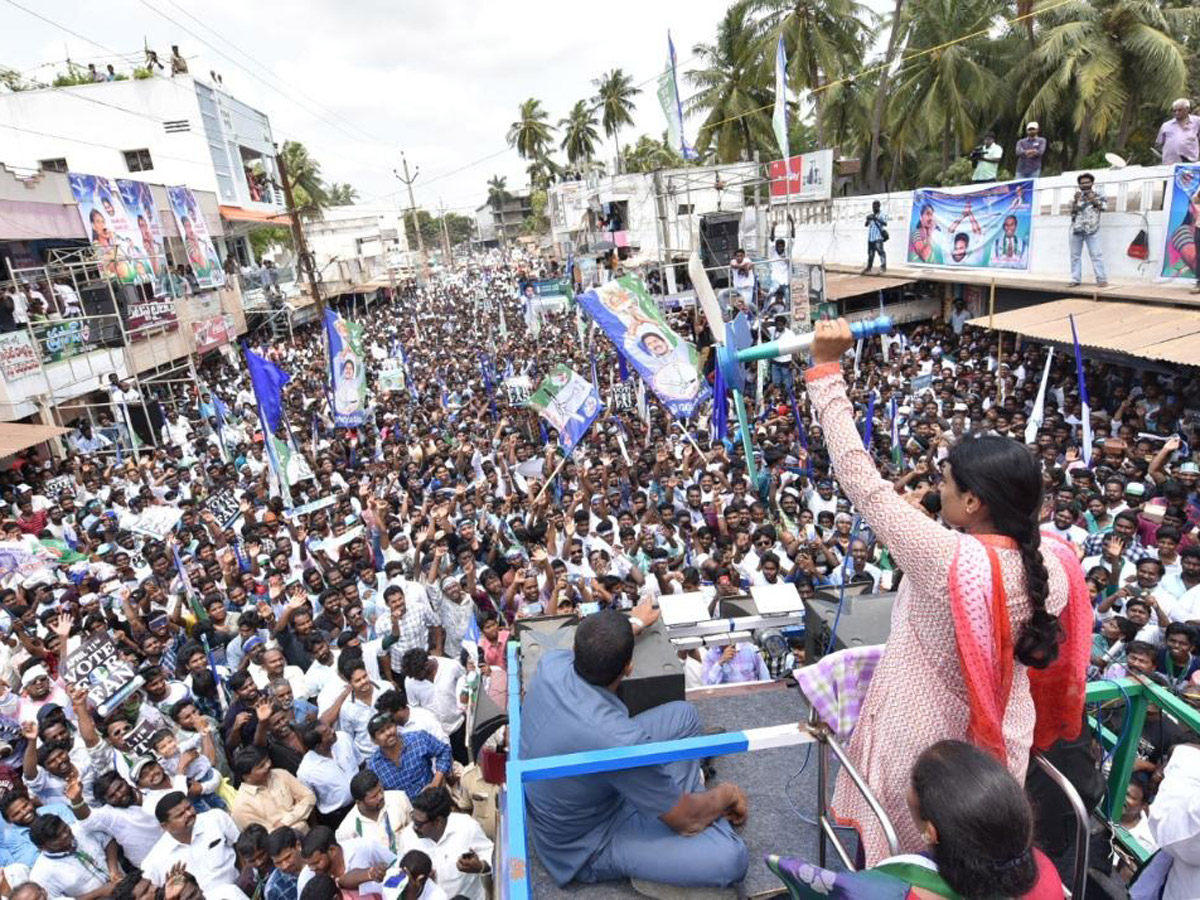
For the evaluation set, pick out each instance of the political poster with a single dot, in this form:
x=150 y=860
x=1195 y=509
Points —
x=807 y=176
x=986 y=228
x=62 y=340
x=209 y=334
x=56 y=486
x=347 y=370
x=110 y=679
x=116 y=241
x=568 y=402
x=142 y=213
x=623 y=396
x=197 y=243
x=1180 y=257
x=18 y=358
x=224 y=506
x=137 y=740
x=156 y=521
x=518 y=389
x=149 y=316
x=807 y=294
x=626 y=312
x=391 y=374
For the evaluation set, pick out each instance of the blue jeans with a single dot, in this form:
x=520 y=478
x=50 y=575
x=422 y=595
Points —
x=1093 y=245
x=646 y=848
x=781 y=373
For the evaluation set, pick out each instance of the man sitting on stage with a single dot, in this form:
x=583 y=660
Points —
x=653 y=823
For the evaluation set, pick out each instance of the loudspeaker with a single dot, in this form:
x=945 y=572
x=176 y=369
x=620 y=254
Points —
x=865 y=620
x=657 y=675
x=487 y=717
x=718 y=242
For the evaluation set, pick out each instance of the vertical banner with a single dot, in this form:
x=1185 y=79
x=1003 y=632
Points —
x=117 y=243
x=626 y=312
x=668 y=97
x=143 y=214
x=347 y=371
x=569 y=403
x=980 y=229
x=1180 y=256
x=201 y=254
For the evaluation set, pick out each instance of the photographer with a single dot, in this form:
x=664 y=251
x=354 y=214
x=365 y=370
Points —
x=877 y=236
x=1086 y=206
x=987 y=159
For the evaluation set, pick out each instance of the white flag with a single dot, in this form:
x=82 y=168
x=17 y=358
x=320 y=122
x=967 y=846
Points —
x=779 y=117
x=1039 y=405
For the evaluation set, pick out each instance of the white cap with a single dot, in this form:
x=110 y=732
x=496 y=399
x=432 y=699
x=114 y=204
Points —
x=1031 y=125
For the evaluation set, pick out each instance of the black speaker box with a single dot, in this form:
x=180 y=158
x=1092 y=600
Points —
x=865 y=620
x=657 y=675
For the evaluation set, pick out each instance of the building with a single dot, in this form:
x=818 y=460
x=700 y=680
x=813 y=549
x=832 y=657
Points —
x=170 y=131
x=492 y=226
x=355 y=246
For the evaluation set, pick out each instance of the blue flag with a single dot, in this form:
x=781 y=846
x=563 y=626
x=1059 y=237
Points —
x=720 y=414
x=267 y=380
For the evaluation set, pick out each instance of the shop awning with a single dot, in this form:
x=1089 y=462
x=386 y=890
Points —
x=18 y=436
x=24 y=221
x=839 y=285
x=1147 y=331
x=241 y=214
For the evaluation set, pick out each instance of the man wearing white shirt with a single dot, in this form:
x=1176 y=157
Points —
x=460 y=851
x=357 y=864
x=378 y=815
x=327 y=767
x=1175 y=822
x=1063 y=526
x=203 y=842
x=122 y=817
x=430 y=682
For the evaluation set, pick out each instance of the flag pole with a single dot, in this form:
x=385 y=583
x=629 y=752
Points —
x=549 y=480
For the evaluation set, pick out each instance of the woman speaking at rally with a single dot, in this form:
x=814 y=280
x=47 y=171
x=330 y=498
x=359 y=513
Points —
x=991 y=629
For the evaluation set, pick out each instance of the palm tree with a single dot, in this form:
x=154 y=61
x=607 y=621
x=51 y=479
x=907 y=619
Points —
x=881 y=89
x=342 y=194
x=498 y=193
x=542 y=172
x=945 y=95
x=651 y=153
x=1098 y=63
x=579 y=133
x=614 y=94
x=823 y=40
x=304 y=178
x=531 y=133
x=733 y=90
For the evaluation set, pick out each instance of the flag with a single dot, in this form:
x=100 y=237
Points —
x=545 y=436
x=779 y=117
x=569 y=402
x=720 y=413
x=221 y=413
x=267 y=381
x=293 y=465
x=622 y=367
x=801 y=433
x=347 y=370
x=1039 y=405
x=1086 y=406
x=869 y=430
x=897 y=450
x=668 y=96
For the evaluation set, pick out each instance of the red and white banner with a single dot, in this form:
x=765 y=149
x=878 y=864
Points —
x=809 y=176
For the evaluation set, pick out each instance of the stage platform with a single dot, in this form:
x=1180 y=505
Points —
x=776 y=793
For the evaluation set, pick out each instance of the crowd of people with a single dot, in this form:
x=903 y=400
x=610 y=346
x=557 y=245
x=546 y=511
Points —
x=298 y=726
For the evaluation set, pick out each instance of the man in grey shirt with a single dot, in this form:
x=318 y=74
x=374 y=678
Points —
x=1030 y=150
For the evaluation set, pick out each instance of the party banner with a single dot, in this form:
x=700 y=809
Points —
x=568 y=402
x=632 y=320
x=113 y=235
x=147 y=317
x=109 y=678
x=807 y=176
x=141 y=212
x=347 y=370
x=1180 y=255
x=18 y=358
x=209 y=334
x=982 y=229
x=391 y=374
x=201 y=254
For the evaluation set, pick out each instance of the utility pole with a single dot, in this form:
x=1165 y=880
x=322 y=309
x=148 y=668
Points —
x=303 y=257
x=445 y=232
x=407 y=181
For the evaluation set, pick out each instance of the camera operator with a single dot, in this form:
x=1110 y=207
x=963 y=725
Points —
x=987 y=159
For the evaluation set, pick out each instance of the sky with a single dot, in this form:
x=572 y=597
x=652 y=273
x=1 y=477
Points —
x=359 y=81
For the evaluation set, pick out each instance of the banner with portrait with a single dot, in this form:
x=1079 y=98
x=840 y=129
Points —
x=1180 y=254
x=113 y=235
x=626 y=312
x=347 y=371
x=986 y=228
x=197 y=243
x=569 y=403
x=143 y=215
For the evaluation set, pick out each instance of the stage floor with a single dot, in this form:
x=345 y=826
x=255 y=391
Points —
x=779 y=786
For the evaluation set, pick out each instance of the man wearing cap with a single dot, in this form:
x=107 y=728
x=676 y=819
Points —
x=1030 y=150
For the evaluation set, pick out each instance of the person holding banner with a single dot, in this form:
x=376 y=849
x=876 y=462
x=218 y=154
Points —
x=1003 y=677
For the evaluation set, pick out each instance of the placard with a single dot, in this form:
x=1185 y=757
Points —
x=624 y=395
x=156 y=521
x=18 y=358
x=518 y=390
x=54 y=488
x=224 y=506
x=391 y=375
x=98 y=664
x=138 y=738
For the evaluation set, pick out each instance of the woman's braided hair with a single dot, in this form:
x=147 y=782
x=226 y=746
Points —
x=1007 y=477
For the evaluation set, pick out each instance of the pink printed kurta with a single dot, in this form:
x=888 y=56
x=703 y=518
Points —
x=917 y=696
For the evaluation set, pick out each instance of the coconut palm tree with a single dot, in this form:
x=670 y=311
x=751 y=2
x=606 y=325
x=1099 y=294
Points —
x=946 y=95
x=824 y=39
x=579 y=133
x=498 y=193
x=1098 y=63
x=733 y=90
x=531 y=133
x=304 y=178
x=342 y=194
x=614 y=95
